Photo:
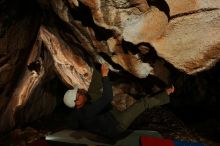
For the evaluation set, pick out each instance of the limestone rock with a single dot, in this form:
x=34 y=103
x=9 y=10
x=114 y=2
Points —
x=132 y=64
x=49 y=46
x=146 y=27
x=191 y=43
x=189 y=6
x=71 y=68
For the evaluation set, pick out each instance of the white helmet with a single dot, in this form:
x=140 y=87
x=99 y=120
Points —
x=70 y=97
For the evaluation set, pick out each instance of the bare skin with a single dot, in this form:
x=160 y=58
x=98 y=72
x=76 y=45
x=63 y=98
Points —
x=80 y=100
x=170 y=90
x=104 y=70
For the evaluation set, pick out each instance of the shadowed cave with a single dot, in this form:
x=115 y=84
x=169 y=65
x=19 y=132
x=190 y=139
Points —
x=47 y=47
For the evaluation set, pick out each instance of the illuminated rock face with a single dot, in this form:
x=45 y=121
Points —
x=64 y=40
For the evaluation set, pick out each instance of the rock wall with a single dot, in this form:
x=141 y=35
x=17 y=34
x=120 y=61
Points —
x=43 y=41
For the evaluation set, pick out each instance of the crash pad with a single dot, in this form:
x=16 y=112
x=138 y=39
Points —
x=154 y=141
x=84 y=137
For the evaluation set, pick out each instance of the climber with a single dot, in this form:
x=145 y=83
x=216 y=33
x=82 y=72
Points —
x=99 y=117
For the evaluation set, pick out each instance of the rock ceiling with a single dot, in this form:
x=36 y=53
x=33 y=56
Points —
x=47 y=38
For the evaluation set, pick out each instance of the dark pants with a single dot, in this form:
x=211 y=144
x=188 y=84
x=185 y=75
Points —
x=125 y=118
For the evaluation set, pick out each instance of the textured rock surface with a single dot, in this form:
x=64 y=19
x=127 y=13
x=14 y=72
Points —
x=49 y=46
x=189 y=6
x=191 y=43
x=72 y=68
